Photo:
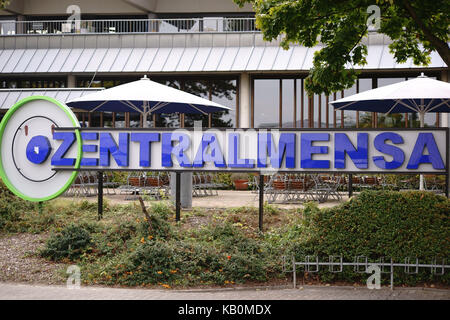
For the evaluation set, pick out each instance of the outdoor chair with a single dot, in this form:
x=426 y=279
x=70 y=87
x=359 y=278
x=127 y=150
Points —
x=134 y=182
x=268 y=186
x=90 y=183
x=278 y=188
x=369 y=182
x=108 y=183
x=298 y=186
x=155 y=184
x=356 y=181
x=77 y=188
x=203 y=185
x=326 y=188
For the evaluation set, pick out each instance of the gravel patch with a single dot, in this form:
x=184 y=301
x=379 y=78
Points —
x=19 y=261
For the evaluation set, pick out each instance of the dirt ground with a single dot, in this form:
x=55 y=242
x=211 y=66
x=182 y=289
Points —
x=19 y=261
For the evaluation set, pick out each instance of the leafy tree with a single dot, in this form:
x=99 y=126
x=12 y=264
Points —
x=3 y=3
x=416 y=27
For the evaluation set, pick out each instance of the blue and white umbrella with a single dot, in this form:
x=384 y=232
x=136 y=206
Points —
x=145 y=97
x=420 y=95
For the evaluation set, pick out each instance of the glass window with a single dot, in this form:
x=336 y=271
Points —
x=332 y=113
x=171 y=120
x=365 y=118
x=120 y=120
x=349 y=115
x=30 y=83
x=320 y=111
x=393 y=120
x=316 y=108
x=316 y=105
x=305 y=107
x=266 y=103
x=219 y=91
x=288 y=103
x=135 y=120
x=299 y=103
x=339 y=95
x=224 y=93
x=107 y=119
x=202 y=89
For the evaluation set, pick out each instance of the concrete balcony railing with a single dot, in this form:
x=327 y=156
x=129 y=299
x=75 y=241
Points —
x=61 y=27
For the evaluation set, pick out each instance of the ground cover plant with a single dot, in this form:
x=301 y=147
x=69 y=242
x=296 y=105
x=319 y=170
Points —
x=224 y=247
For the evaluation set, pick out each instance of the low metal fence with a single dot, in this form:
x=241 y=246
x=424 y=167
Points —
x=193 y=25
x=361 y=264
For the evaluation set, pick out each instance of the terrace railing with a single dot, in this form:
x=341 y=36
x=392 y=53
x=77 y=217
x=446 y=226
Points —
x=194 y=25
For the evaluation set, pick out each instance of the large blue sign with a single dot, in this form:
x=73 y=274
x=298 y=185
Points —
x=42 y=147
x=253 y=150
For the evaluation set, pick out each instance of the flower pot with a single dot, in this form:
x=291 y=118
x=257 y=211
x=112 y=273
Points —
x=241 y=184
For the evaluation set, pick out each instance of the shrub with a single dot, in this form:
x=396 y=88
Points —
x=120 y=177
x=222 y=255
x=158 y=226
x=224 y=179
x=88 y=206
x=114 y=239
x=71 y=243
x=378 y=224
x=11 y=209
x=161 y=209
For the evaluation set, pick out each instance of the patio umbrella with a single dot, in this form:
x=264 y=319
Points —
x=145 y=97
x=148 y=97
x=420 y=95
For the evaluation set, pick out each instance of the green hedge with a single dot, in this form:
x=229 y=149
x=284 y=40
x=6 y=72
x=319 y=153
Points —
x=377 y=224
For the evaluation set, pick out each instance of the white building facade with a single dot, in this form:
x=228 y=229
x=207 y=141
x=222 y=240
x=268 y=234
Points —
x=207 y=47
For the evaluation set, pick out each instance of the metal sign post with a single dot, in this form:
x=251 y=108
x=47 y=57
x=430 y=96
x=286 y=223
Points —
x=350 y=185
x=261 y=201
x=178 y=196
x=100 y=194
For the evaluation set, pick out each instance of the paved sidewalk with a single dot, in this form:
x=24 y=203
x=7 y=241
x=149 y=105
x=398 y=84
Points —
x=11 y=291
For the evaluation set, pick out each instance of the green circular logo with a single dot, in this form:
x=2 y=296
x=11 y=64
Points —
x=27 y=147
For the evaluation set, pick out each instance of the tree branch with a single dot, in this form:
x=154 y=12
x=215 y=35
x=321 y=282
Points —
x=440 y=45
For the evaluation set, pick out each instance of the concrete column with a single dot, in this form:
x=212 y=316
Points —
x=244 y=101
x=71 y=81
x=20 y=26
x=153 y=25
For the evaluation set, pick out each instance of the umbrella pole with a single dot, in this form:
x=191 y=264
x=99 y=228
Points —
x=144 y=119
x=422 y=124
x=146 y=111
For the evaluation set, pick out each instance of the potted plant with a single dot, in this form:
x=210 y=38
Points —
x=240 y=180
